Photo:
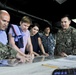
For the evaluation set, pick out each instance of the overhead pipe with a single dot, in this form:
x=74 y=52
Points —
x=21 y=12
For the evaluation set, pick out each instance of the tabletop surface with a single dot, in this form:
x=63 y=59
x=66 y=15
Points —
x=40 y=66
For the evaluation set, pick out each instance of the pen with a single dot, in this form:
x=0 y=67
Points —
x=50 y=66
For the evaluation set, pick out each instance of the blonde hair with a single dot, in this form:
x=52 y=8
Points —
x=26 y=19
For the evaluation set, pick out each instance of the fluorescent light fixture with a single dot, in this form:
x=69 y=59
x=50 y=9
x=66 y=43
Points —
x=61 y=1
x=74 y=20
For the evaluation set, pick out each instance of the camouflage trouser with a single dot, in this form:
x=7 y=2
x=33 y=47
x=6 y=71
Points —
x=7 y=52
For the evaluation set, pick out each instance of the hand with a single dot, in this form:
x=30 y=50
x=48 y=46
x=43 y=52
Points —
x=46 y=54
x=28 y=56
x=23 y=59
x=37 y=55
x=63 y=54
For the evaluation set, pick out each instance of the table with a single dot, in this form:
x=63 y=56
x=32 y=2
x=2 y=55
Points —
x=40 y=66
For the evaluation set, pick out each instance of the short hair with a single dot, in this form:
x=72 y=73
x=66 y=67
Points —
x=66 y=15
x=26 y=19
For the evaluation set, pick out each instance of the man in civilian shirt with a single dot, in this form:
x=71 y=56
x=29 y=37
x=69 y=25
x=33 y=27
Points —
x=19 y=38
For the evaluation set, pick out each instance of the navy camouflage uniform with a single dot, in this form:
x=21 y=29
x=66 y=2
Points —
x=6 y=52
x=48 y=43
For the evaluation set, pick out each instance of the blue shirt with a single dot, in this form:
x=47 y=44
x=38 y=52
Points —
x=3 y=37
x=48 y=43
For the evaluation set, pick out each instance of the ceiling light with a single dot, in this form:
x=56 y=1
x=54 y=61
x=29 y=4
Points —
x=74 y=20
x=60 y=1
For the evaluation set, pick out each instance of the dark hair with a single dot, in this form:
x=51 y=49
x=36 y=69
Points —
x=66 y=15
x=33 y=25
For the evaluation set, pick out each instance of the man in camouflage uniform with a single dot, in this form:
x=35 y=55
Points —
x=6 y=52
x=66 y=38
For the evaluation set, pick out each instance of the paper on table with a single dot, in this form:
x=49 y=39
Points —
x=71 y=57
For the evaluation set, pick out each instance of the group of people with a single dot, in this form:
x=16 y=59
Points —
x=19 y=39
x=24 y=41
